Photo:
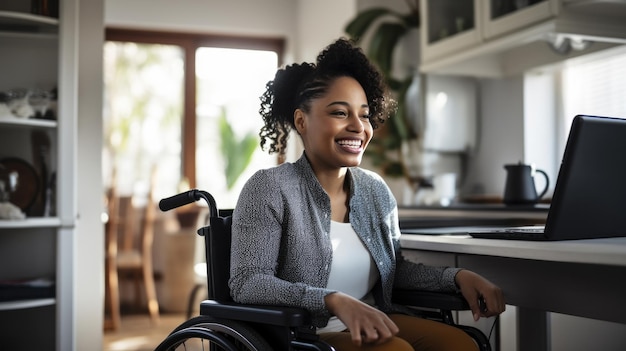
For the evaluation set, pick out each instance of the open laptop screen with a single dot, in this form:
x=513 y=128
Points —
x=589 y=198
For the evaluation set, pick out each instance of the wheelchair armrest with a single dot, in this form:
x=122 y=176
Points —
x=266 y=314
x=429 y=299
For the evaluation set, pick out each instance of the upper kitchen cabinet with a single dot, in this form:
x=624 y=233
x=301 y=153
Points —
x=499 y=38
x=449 y=26
x=505 y=16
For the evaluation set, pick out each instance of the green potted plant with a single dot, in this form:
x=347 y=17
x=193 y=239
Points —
x=384 y=28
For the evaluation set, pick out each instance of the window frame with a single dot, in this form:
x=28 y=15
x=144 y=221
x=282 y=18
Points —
x=189 y=43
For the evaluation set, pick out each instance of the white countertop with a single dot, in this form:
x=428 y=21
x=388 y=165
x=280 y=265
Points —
x=607 y=251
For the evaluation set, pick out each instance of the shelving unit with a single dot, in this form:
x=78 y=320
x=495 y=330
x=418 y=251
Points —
x=33 y=57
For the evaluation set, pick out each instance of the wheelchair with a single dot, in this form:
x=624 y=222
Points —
x=224 y=325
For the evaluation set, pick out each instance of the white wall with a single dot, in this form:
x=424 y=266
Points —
x=89 y=240
x=261 y=17
x=500 y=135
x=516 y=122
x=319 y=22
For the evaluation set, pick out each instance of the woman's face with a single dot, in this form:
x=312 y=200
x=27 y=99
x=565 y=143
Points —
x=336 y=130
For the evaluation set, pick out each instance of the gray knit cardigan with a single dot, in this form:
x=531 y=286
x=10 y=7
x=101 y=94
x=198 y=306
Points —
x=281 y=250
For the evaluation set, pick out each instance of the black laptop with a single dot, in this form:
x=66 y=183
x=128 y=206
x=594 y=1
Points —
x=589 y=198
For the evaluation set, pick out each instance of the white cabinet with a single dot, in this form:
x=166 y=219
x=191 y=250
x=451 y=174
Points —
x=502 y=17
x=498 y=38
x=33 y=250
x=449 y=26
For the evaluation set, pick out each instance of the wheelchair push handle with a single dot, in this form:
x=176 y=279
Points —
x=186 y=198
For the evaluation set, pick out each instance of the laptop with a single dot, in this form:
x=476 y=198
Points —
x=589 y=198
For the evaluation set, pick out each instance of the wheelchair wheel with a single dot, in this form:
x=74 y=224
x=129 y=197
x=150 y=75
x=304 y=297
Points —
x=208 y=333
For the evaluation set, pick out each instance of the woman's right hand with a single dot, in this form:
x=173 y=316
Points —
x=367 y=325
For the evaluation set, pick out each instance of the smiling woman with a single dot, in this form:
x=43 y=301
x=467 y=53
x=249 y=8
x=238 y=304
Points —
x=291 y=220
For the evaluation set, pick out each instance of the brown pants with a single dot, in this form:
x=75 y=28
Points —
x=415 y=334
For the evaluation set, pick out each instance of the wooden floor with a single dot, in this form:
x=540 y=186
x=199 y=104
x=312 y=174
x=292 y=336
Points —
x=137 y=332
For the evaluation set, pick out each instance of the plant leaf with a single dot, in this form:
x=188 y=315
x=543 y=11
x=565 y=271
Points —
x=386 y=32
x=237 y=153
x=383 y=43
x=400 y=122
x=240 y=158
x=394 y=84
x=359 y=25
x=412 y=19
x=394 y=168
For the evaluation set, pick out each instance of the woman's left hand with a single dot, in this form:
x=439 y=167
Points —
x=485 y=299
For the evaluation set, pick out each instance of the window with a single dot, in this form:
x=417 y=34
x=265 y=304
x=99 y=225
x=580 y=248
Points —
x=143 y=115
x=187 y=103
x=594 y=85
x=229 y=84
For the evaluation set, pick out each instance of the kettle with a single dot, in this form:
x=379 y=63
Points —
x=520 y=185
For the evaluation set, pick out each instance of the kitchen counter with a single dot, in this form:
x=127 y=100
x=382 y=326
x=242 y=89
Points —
x=464 y=214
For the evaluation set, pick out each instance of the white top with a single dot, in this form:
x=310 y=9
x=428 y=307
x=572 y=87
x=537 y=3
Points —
x=352 y=270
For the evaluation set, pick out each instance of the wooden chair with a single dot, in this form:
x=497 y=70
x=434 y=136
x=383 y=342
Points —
x=130 y=256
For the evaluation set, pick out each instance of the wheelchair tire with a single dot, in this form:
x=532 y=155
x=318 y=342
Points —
x=208 y=333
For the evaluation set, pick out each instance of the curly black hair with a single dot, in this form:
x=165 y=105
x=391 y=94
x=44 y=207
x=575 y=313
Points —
x=296 y=85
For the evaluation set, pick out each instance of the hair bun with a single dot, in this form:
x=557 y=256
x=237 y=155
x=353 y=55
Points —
x=287 y=83
x=341 y=56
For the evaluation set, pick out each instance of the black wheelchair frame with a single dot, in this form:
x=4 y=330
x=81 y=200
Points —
x=226 y=325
